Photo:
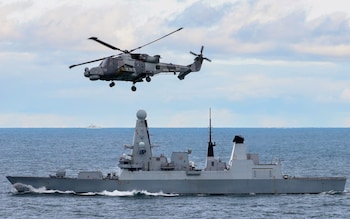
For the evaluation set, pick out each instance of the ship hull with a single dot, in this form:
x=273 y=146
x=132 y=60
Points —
x=187 y=185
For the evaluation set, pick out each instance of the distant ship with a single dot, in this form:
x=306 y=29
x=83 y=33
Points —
x=92 y=126
x=141 y=171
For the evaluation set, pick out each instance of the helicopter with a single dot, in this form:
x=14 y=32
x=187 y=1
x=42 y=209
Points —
x=135 y=67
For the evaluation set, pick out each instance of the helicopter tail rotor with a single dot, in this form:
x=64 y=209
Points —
x=200 y=56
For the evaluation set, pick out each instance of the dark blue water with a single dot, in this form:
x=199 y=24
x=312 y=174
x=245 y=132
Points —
x=304 y=152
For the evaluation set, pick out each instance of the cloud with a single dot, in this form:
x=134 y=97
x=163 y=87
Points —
x=10 y=26
x=268 y=30
x=326 y=51
x=262 y=28
x=270 y=60
x=201 y=15
x=345 y=95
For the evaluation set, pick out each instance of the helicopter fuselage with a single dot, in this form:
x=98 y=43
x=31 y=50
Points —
x=131 y=67
x=134 y=67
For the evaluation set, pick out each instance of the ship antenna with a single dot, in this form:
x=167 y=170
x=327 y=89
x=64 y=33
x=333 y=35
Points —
x=210 y=143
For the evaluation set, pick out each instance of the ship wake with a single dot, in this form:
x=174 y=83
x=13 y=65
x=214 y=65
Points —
x=135 y=193
x=28 y=189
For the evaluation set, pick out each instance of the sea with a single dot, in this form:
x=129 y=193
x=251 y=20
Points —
x=43 y=151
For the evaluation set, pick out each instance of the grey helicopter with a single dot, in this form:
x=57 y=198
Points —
x=135 y=67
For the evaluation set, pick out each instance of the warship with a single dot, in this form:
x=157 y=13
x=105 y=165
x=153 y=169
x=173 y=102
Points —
x=141 y=171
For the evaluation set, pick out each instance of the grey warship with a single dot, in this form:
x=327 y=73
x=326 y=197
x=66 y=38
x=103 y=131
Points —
x=141 y=171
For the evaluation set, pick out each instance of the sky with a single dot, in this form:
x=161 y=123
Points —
x=274 y=63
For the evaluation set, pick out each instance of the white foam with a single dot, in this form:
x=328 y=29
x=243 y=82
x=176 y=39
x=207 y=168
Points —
x=42 y=190
x=23 y=188
x=135 y=192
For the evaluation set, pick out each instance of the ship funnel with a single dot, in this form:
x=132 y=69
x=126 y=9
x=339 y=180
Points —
x=239 y=150
x=238 y=139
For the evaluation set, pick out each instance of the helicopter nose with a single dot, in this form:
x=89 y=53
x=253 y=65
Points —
x=94 y=73
x=87 y=72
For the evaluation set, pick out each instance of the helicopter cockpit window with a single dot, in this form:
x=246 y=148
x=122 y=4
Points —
x=103 y=63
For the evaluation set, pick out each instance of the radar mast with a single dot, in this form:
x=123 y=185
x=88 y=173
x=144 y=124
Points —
x=210 y=143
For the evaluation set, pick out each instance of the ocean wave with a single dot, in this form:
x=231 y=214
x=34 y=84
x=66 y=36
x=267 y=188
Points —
x=332 y=192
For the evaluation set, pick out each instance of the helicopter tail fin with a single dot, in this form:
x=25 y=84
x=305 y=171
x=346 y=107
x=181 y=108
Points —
x=195 y=66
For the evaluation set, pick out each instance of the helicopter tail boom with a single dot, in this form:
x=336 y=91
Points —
x=195 y=66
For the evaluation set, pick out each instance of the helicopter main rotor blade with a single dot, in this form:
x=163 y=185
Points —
x=209 y=60
x=106 y=44
x=156 y=39
x=195 y=54
x=96 y=60
x=115 y=48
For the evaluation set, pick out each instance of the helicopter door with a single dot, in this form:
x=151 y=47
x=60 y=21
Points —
x=139 y=67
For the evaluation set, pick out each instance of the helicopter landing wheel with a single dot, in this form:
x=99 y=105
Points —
x=133 y=88
x=148 y=79
x=112 y=84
